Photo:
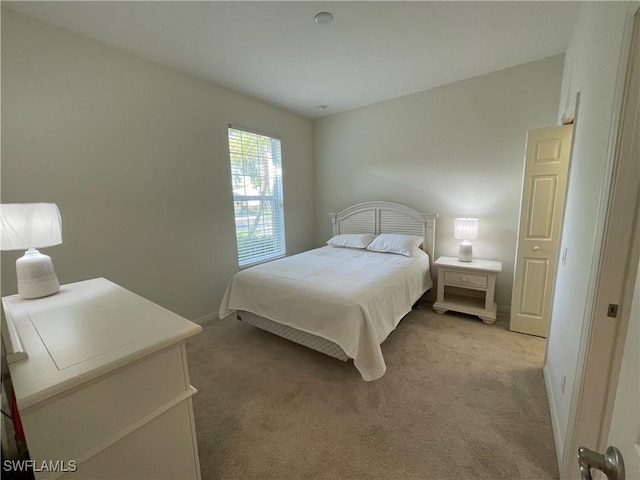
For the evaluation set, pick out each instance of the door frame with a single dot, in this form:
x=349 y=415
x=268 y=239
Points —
x=602 y=338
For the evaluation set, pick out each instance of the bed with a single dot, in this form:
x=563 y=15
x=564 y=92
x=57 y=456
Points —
x=343 y=299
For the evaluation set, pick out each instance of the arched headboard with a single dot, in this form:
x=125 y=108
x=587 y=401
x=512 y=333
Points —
x=387 y=217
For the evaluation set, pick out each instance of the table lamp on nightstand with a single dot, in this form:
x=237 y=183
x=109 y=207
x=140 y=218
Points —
x=465 y=229
x=29 y=226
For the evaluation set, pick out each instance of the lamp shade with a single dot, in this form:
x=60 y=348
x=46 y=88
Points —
x=465 y=228
x=29 y=225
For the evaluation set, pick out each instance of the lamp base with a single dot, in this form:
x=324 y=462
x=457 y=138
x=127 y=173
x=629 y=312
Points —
x=36 y=276
x=465 y=252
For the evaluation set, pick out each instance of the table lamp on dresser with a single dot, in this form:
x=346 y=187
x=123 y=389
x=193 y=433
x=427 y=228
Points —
x=29 y=226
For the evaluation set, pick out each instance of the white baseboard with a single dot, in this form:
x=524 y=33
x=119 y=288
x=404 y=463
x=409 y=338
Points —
x=555 y=425
x=207 y=318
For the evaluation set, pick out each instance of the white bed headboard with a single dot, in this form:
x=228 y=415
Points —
x=387 y=217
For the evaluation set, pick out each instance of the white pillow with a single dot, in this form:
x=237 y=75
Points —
x=351 y=240
x=396 y=243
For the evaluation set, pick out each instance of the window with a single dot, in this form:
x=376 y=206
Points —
x=256 y=176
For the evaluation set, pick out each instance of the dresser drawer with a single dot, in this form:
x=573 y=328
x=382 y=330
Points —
x=163 y=449
x=468 y=280
x=70 y=425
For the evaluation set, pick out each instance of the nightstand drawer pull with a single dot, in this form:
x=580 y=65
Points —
x=456 y=278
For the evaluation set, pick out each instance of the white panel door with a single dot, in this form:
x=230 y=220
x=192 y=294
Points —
x=543 y=193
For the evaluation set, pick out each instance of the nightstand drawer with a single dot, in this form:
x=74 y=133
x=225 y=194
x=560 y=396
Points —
x=465 y=279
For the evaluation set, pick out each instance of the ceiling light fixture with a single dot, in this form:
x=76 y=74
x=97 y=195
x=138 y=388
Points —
x=323 y=18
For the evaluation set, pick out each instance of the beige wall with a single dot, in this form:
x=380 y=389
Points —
x=457 y=150
x=592 y=69
x=135 y=155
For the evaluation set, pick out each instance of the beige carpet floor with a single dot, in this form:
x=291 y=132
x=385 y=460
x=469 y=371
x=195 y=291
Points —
x=460 y=400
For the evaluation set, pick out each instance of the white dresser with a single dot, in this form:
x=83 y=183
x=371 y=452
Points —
x=101 y=382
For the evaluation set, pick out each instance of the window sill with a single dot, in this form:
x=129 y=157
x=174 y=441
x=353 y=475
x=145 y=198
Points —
x=266 y=260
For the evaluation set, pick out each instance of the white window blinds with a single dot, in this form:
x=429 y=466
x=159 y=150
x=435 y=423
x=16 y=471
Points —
x=256 y=177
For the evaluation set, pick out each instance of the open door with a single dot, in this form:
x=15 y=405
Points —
x=605 y=407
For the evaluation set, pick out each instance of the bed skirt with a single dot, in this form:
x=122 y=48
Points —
x=308 y=340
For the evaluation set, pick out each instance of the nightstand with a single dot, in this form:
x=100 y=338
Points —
x=467 y=287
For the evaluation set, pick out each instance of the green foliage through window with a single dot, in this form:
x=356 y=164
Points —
x=256 y=178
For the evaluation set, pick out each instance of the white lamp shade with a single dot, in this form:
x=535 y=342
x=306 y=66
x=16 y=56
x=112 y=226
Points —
x=29 y=225
x=465 y=228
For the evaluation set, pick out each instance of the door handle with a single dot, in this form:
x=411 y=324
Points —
x=611 y=463
x=536 y=248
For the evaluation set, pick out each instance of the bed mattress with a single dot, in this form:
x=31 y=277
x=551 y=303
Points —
x=352 y=297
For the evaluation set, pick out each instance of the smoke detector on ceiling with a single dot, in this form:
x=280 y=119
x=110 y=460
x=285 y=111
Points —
x=323 y=18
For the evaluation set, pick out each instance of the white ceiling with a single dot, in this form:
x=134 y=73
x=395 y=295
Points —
x=373 y=51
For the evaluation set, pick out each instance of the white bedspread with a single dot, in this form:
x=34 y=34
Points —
x=352 y=297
